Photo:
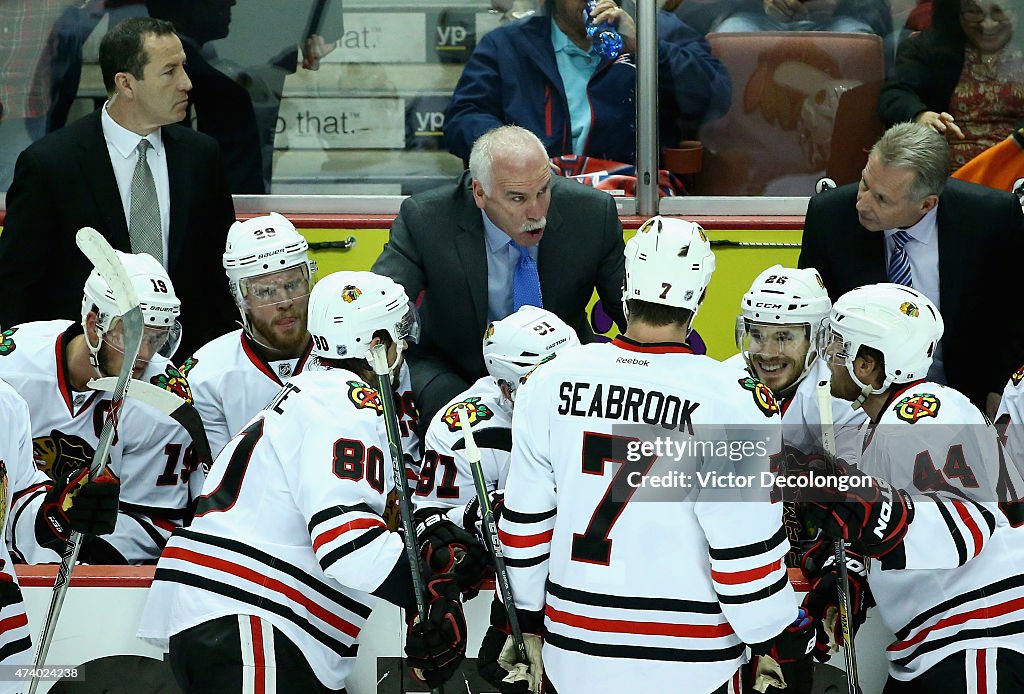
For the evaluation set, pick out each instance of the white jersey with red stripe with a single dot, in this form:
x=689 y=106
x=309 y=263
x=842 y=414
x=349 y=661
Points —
x=231 y=382
x=16 y=469
x=957 y=581
x=151 y=453
x=289 y=527
x=446 y=477
x=1010 y=418
x=642 y=585
x=801 y=420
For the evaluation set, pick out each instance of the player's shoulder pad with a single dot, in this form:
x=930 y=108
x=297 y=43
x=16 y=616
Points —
x=762 y=395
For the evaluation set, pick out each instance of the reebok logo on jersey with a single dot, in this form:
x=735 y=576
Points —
x=885 y=513
x=7 y=342
x=917 y=406
x=632 y=360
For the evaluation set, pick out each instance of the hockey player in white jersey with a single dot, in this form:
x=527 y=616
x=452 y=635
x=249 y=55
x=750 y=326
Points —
x=289 y=550
x=49 y=364
x=950 y=579
x=270 y=275
x=634 y=592
x=1010 y=419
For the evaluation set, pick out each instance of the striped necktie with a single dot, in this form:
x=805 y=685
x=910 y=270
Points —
x=144 y=230
x=525 y=280
x=899 y=261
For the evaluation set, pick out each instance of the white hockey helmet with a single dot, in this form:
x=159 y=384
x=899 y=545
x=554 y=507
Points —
x=517 y=344
x=346 y=308
x=898 y=321
x=262 y=246
x=669 y=262
x=784 y=296
x=160 y=306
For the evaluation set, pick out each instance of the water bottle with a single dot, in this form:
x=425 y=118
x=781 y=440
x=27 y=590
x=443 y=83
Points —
x=606 y=39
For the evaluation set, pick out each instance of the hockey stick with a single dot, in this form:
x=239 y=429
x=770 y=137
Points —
x=491 y=533
x=171 y=405
x=103 y=258
x=379 y=358
x=828 y=441
x=755 y=244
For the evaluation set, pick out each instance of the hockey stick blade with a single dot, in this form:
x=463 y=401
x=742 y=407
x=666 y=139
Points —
x=165 y=401
x=105 y=260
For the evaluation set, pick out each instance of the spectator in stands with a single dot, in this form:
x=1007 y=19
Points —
x=169 y=197
x=958 y=243
x=507 y=234
x=543 y=75
x=963 y=77
x=855 y=16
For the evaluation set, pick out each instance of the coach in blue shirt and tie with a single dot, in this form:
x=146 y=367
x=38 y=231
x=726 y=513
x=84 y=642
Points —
x=508 y=233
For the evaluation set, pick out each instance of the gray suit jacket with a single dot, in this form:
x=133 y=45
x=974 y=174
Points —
x=437 y=247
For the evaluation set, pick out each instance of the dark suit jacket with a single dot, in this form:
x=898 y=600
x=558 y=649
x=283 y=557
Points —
x=65 y=181
x=437 y=246
x=981 y=242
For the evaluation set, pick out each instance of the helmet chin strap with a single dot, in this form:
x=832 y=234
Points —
x=865 y=389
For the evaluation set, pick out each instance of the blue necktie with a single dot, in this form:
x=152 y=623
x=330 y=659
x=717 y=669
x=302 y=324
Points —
x=525 y=280
x=899 y=261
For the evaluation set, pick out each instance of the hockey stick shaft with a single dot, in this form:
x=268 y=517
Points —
x=379 y=359
x=828 y=441
x=103 y=258
x=491 y=533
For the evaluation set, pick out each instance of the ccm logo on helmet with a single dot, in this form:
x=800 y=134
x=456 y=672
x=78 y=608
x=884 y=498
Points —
x=761 y=304
x=885 y=514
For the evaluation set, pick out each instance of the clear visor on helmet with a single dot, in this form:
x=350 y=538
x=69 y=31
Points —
x=408 y=327
x=278 y=287
x=767 y=340
x=162 y=340
x=833 y=348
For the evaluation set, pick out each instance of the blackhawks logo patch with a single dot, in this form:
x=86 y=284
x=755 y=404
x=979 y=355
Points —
x=350 y=293
x=187 y=366
x=364 y=397
x=917 y=406
x=910 y=309
x=59 y=453
x=764 y=398
x=174 y=381
x=477 y=413
x=7 y=342
x=489 y=333
x=1017 y=376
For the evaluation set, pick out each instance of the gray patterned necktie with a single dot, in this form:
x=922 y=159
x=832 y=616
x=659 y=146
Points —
x=144 y=230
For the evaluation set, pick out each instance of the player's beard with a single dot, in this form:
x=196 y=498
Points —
x=289 y=344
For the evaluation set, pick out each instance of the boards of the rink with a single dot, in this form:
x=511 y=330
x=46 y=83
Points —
x=103 y=606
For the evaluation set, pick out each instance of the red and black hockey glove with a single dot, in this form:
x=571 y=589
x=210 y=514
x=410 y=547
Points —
x=435 y=647
x=76 y=503
x=822 y=601
x=866 y=511
x=448 y=549
x=785 y=663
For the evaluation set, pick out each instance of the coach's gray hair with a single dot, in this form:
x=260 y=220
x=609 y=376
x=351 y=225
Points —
x=919 y=148
x=506 y=139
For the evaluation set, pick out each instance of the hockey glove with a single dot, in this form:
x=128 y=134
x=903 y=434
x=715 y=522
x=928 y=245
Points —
x=822 y=601
x=74 y=503
x=497 y=660
x=472 y=518
x=785 y=662
x=448 y=549
x=436 y=647
x=871 y=513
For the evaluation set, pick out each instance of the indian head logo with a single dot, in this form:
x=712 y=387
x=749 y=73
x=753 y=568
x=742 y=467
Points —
x=909 y=309
x=174 y=381
x=477 y=413
x=187 y=366
x=764 y=398
x=917 y=406
x=364 y=397
x=350 y=293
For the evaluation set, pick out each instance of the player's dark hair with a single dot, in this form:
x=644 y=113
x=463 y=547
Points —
x=872 y=353
x=121 y=49
x=358 y=365
x=658 y=315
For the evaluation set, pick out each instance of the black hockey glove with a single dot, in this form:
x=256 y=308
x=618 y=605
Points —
x=871 y=514
x=76 y=503
x=472 y=518
x=436 y=647
x=448 y=549
x=822 y=601
x=496 y=663
x=785 y=663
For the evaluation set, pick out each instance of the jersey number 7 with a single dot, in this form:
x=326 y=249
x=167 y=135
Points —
x=594 y=546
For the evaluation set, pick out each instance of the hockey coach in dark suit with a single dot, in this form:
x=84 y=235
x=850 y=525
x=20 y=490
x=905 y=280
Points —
x=145 y=184
x=508 y=233
x=960 y=244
